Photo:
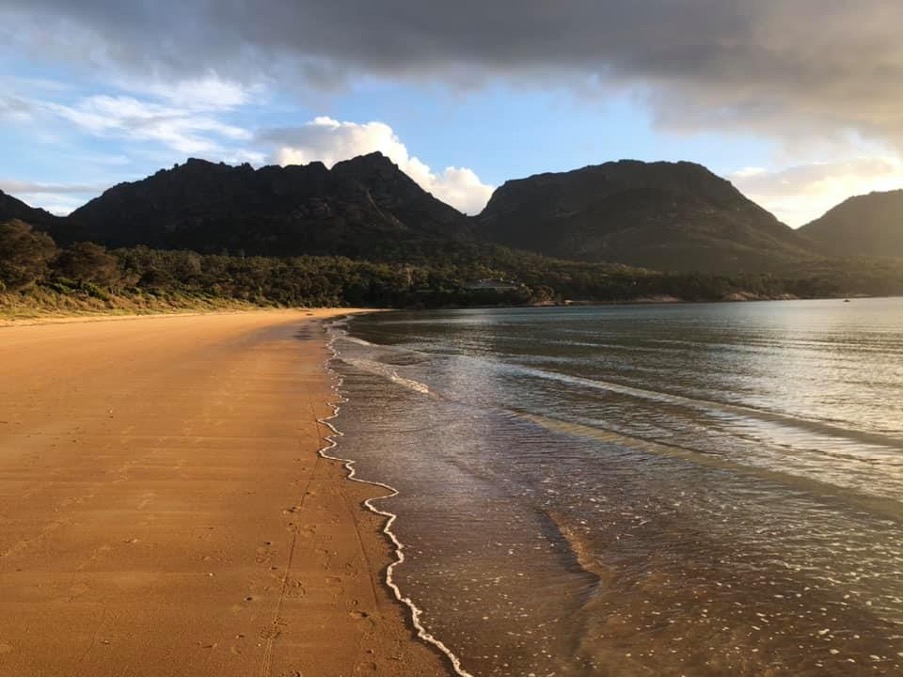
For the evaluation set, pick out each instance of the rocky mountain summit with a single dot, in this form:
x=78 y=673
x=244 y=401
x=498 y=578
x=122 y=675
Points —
x=359 y=207
x=661 y=215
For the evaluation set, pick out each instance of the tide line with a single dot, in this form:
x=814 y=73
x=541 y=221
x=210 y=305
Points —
x=349 y=464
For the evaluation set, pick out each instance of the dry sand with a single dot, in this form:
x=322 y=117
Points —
x=163 y=510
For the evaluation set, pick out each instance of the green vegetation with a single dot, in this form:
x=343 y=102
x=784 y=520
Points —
x=24 y=255
x=34 y=271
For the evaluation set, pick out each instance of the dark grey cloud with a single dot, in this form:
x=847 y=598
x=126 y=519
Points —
x=785 y=67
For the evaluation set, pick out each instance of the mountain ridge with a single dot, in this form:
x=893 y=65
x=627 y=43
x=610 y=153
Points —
x=670 y=216
x=359 y=205
x=663 y=215
x=862 y=225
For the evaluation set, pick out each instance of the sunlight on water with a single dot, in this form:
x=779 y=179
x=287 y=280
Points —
x=702 y=489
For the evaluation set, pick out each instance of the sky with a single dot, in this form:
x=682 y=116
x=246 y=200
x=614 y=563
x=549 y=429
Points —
x=798 y=104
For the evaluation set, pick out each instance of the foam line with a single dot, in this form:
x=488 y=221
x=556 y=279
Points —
x=387 y=372
x=349 y=464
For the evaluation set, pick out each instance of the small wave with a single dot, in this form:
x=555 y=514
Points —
x=385 y=371
x=356 y=340
x=377 y=367
x=339 y=323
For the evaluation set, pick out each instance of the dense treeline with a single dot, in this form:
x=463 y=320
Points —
x=444 y=277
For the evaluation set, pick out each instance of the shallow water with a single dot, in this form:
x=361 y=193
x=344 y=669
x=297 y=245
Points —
x=686 y=489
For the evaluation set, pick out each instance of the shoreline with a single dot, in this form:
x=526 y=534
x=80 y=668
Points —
x=414 y=612
x=68 y=318
x=169 y=510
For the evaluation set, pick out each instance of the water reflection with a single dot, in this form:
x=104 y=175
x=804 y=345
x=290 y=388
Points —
x=695 y=489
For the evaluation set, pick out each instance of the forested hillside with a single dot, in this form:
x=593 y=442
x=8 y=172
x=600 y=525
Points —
x=31 y=263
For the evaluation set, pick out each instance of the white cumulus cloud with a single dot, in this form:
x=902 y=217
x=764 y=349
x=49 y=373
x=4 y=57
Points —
x=331 y=141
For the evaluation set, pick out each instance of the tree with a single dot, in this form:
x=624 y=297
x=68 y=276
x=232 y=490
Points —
x=24 y=254
x=86 y=262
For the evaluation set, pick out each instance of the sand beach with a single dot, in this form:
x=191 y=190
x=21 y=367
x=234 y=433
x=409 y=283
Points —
x=164 y=510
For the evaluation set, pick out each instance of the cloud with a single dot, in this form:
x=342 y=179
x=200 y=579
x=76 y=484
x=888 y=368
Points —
x=206 y=93
x=330 y=141
x=16 y=187
x=183 y=130
x=768 y=67
x=463 y=189
x=799 y=194
x=178 y=119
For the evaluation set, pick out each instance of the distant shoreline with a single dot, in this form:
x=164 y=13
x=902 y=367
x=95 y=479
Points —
x=25 y=314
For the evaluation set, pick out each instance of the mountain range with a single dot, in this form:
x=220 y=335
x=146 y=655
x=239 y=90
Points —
x=660 y=215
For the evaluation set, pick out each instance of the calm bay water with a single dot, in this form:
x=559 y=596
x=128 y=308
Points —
x=641 y=490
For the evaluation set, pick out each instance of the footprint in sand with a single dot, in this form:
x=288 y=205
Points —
x=295 y=589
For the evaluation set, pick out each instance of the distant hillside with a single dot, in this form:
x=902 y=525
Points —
x=661 y=215
x=863 y=226
x=13 y=208
x=362 y=207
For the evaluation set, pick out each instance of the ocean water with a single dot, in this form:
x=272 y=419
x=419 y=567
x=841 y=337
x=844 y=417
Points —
x=640 y=490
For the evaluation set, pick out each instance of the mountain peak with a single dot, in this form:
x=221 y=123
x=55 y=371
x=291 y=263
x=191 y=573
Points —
x=365 y=202
x=663 y=215
x=375 y=161
x=380 y=174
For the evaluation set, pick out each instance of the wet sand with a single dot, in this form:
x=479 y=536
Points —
x=163 y=509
